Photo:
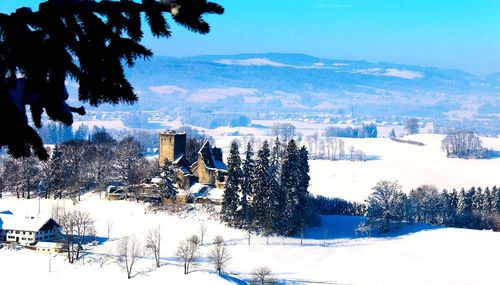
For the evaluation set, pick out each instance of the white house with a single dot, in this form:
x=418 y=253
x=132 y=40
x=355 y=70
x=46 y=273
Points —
x=27 y=230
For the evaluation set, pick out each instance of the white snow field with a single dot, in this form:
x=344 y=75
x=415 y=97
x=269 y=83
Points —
x=331 y=253
x=410 y=165
x=414 y=255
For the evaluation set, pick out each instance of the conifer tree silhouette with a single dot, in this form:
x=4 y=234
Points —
x=85 y=40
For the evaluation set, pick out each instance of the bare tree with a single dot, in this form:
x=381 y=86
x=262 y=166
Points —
x=203 y=231
x=341 y=146
x=128 y=252
x=77 y=227
x=30 y=169
x=351 y=153
x=11 y=176
x=411 y=126
x=153 y=242
x=285 y=131
x=127 y=160
x=219 y=254
x=302 y=233
x=463 y=145
x=263 y=275
x=325 y=235
x=249 y=234
x=310 y=141
x=109 y=227
x=103 y=258
x=188 y=251
x=385 y=205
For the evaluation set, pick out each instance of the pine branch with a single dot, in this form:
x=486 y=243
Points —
x=85 y=40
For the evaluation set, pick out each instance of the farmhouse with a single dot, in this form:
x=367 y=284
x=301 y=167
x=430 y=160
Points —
x=27 y=230
x=208 y=169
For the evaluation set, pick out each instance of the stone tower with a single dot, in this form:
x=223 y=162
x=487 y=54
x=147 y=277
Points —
x=172 y=146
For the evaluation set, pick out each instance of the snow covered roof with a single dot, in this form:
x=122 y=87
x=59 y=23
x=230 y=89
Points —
x=156 y=180
x=46 y=244
x=31 y=224
x=215 y=194
x=208 y=158
x=178 y=159
x=199 y=189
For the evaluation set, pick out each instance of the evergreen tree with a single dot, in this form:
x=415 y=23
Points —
x=234 y=175
x=245 y=211
x=261 y=184
x=289 y=183
x=464 y=203
x=302 y=209
x=392 y=134
x=496 y=199
x=277 y=195
x=477 y=198
x=487 y=203
x=453 y=204
x=169 y=180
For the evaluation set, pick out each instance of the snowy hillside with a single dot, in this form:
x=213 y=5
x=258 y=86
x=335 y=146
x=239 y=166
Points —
x=414 y=255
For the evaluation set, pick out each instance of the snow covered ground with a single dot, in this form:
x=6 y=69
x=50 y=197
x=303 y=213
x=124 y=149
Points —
x=331 y=253
x=410 y=165
x=415 y=255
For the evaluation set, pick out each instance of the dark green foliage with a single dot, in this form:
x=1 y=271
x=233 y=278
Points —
x=392 y=133
x=168 y=180
x=278 y=194
x=280 y=198
x=87 y=41
x=386 y=206
x=234 y=173
x=473 y=208
x=245 y=211
x=261 y=205
x=337 y=206
x=365 y=131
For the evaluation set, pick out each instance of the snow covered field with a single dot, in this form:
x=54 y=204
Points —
x=411 y=165
x=414 y=255
x=331 y=253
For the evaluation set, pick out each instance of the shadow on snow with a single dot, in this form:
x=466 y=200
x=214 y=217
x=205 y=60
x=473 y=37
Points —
x=344 y=227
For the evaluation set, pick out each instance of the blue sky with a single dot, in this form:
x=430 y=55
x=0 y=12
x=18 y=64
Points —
x=452 y=34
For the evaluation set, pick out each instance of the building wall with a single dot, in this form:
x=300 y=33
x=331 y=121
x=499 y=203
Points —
x=48 y=250
x=183 y=181
x=171 y=146
x=49 y=235
x=21 y=237
x=205 y=176
x=26 y=237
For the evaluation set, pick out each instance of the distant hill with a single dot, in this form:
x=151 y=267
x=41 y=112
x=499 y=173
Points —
x=275 y=81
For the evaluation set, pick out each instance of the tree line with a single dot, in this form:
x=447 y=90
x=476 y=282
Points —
x=76 y=166
x=268 y=192
x=364 y=131
x=474 y=208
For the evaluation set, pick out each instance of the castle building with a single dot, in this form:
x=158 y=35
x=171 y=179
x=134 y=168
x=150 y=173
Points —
x=208 y=168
